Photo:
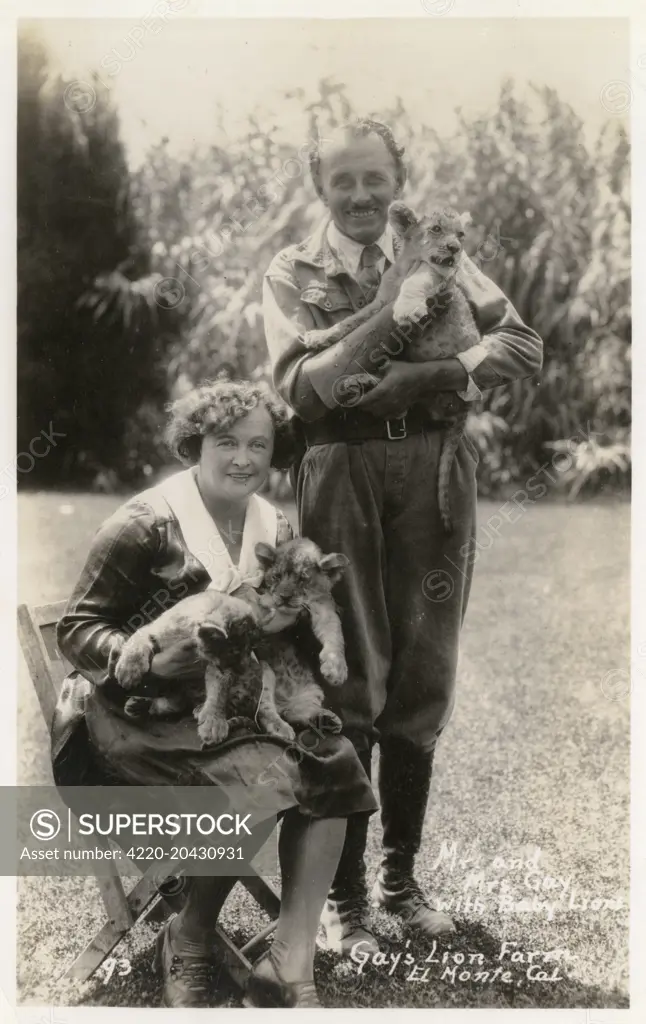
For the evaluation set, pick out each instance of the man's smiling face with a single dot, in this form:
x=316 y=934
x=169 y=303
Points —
x=358 y=179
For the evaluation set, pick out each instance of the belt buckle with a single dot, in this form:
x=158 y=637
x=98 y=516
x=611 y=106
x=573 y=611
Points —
x=399 y=431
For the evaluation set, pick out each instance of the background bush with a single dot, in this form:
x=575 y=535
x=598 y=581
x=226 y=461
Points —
x=84 y=370
x=176 y=294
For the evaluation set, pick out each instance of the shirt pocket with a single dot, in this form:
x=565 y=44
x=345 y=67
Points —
x=330 y=300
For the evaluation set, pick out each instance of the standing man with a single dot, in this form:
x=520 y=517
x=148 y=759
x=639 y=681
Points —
x=367 y=486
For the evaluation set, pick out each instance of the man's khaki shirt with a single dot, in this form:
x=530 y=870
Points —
x=307 y=288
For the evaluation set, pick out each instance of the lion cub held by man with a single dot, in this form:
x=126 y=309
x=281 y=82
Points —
x=431 y=311
x=278 y=691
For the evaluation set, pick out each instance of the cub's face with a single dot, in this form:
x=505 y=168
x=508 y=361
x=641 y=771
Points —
x=434 y=238
x=297 y=573
x=232 y=630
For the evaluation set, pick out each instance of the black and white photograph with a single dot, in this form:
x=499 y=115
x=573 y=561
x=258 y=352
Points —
x=322 y=473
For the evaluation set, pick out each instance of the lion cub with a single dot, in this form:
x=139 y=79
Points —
x=422 y=281
x=280 y=690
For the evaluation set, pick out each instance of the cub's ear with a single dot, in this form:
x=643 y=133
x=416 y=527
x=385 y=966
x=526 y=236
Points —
x=265 y=554
x=334 y=565
x=465 y=219
x=212 y=631
x=402 y=218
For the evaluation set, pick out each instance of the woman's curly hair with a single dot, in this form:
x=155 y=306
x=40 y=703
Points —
x=216 y=405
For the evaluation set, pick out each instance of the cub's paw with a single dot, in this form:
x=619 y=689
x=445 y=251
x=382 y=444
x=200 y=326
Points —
x=279 y=728
x=137 y=707
x=116 y=647
x=316 y=341
x=333 y=667
x=241 y=722
x=327 y=721
x=132 y=665
x=405 y=311
x=212 y=728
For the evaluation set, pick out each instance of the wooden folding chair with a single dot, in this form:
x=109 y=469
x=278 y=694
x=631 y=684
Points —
x=47 y=667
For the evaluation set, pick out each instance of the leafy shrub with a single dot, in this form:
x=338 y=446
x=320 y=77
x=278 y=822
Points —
x=551 y=220
x=82 y=367
x=551 y=227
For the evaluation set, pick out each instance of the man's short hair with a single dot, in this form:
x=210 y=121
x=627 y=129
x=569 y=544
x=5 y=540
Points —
x=358 y=128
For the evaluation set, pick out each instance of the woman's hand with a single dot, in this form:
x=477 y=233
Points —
x=179 y=661
x=283 y=619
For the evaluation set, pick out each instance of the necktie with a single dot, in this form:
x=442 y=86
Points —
x=368 y=275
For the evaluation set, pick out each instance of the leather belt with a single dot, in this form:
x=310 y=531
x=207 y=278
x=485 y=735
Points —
x=353 y=426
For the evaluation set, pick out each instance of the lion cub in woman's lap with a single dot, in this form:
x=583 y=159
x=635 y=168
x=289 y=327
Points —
x=279 y=691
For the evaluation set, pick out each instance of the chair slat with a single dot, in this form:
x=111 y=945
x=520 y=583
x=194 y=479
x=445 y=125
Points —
x=259 y=938
x=112 y=891
x=48 y=614
x=238 y=966
x=38 y=662
x=87 y=962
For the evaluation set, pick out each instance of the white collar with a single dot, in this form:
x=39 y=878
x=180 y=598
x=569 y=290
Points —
x=350 y=250
x=203 y=540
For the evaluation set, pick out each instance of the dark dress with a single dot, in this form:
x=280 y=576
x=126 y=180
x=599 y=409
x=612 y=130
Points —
x=138 y=565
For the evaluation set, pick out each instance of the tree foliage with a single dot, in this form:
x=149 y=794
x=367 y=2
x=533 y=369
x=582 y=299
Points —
x=551 y=225
x=83 y=368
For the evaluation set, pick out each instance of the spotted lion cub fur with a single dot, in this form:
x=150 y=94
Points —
x=249 y=675
x=422 y=283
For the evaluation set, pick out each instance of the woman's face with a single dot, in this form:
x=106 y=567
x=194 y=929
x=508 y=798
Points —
x=235 y=462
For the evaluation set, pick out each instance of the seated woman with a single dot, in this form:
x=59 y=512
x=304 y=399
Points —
x=195 y=529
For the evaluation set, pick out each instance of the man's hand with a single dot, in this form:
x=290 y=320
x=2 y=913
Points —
x=395 y=393
x=404 y=384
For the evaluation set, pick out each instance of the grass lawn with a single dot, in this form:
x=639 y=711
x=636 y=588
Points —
x=533 y=768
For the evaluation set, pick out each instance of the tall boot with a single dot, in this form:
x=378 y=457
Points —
x=404 y=783
x=346 y=914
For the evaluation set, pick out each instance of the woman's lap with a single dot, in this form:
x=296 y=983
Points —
x=319 y=773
